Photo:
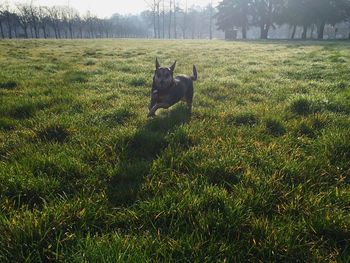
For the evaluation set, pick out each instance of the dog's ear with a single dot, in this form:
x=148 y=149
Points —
x=172 y=68
x=157 y=64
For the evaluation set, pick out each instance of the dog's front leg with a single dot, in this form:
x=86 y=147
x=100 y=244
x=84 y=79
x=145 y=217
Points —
x=152 y=112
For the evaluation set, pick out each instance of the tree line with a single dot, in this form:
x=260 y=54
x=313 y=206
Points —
x=175 y=19
x=267 y=14
x=30 y=21
x=164 y=19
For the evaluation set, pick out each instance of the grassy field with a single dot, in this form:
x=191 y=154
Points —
x=260 y=172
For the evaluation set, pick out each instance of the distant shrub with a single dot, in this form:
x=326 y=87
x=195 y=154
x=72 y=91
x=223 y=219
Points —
x=338 y=106
x=243 y=119
x=137 y=82
x=341 y=85
x=77 y=76
x=23 y=111
x=90 y=62
x=8 y=85
x=54 y=133
x=304 y=129
x=301 y=106
x=125 y=68
x=308 y=105
x=119 y=116
x=275 y=127
x=6 y=124
x=90 y=52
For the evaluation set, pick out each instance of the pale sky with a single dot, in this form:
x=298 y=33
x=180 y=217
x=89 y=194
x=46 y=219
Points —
x=105 y=8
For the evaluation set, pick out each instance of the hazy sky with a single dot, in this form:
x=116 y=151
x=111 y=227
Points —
x=105 y=8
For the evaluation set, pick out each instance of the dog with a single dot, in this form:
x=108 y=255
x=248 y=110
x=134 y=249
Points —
x=167 y=90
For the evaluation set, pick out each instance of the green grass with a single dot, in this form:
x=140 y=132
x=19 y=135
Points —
x=259 y=172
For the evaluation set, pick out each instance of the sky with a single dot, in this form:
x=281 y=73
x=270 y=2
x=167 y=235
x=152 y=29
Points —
x=105 y=8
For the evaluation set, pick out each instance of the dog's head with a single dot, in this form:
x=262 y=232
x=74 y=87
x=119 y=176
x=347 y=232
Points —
x=163 y=77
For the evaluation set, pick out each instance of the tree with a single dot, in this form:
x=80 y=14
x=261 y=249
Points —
x=2 y=19
x=170 y=16
x=33 y=17
x=8 y=17
x=296 y=13
x=43 y=20
x=233 y=13
x=328 y=12
x=176 y=9
x=184 y=25
x=265 y=13
x=211 y=20
x=24 y=18
x=55 y=20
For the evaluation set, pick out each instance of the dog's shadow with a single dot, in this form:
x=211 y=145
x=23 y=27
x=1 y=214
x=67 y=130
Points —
x=139 y=152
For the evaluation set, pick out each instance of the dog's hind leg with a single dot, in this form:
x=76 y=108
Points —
x=189 y=98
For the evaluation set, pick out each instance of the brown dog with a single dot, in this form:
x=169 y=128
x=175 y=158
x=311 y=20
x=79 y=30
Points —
x=167 y=90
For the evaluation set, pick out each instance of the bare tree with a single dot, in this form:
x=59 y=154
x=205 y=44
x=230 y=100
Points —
x=24 y=18
x=2 y=19
x=211 y=20
x=43 y=20
x=184 y=26
x=54 y=15
x=68 y=16
x=33 y=10
x=170 y=14
x=154 y=6
x=163 y=16
x=175 y=9
x=8 y=18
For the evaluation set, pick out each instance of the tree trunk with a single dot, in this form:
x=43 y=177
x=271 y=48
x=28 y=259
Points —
x=320 y=30
x=25 y=29
x=70 y=31
x=303 y=36
x=312 y=32
x=36 y=31
x=154 y=22
x=58 y=31
x=170 y=14
x=2 y=30
x=211 y=20
x=294 y=31
x=244 y=32
x=163 y=16
x=15 y=31
x=9 y=25
x=264 y=31
x=158 y=19
x=55 y=30
x=44 y=31
x=175 y=33
x=185 y=23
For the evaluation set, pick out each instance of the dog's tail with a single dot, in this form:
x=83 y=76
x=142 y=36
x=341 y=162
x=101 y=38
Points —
x=195 y=75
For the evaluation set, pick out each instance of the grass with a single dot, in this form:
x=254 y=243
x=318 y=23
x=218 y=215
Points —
x=259 y=172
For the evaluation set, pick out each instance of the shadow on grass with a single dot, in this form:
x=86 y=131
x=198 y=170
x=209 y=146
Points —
x=140 y=151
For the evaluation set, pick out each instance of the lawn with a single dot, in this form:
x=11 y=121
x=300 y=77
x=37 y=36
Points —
x=259 y=172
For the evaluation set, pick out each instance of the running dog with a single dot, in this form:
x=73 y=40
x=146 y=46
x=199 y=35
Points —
x=167 y=90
